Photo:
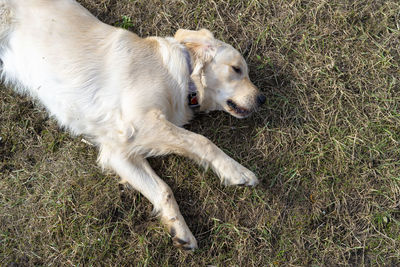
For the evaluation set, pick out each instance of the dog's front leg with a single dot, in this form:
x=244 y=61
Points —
x=137 y=172
x=178 y=140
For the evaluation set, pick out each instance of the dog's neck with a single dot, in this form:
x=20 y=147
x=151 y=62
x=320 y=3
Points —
x=192 y=89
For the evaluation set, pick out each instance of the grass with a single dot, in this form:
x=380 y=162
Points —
x=325 y=147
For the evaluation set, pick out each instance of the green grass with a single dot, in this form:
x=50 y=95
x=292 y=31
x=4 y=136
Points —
x=325 y=147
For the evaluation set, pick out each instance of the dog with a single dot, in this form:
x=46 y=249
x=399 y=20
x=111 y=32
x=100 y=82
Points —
x=128 y=95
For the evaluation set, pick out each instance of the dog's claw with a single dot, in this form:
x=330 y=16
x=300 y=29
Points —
x=252 y=183
x=185 y=245
x=236 y=174
x=182 y=237
x=180 y=241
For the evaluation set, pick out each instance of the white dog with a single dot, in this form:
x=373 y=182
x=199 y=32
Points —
x=127 y=94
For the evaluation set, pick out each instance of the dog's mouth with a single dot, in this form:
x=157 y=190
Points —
x=237 y=110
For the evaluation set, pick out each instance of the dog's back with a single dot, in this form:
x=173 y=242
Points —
x=87 y=73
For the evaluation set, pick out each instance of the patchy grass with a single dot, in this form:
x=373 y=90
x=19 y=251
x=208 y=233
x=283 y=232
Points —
x=325 y=146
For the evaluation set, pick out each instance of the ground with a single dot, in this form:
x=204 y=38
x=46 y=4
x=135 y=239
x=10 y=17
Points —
x=325 y=147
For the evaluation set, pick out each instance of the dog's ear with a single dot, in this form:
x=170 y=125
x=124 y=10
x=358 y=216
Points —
x=201 y=43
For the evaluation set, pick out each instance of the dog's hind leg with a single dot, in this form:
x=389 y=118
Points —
x=138 y=173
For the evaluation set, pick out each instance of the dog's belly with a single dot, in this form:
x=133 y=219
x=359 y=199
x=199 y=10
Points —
x=26 y=70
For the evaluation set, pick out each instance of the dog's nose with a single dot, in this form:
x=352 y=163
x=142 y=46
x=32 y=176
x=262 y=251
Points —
x=261 y=99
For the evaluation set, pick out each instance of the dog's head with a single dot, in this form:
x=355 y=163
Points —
x=224 y=74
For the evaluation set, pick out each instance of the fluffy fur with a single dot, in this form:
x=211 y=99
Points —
x=127 y=94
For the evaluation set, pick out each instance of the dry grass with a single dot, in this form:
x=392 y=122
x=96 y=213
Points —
x=326 y=147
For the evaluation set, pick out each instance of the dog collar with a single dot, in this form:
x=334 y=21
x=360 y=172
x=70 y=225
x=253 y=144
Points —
x=192 y=94
x=192 y=98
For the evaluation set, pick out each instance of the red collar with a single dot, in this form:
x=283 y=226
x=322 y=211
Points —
x=192 y=98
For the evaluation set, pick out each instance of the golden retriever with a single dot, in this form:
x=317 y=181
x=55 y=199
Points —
x=128 y=95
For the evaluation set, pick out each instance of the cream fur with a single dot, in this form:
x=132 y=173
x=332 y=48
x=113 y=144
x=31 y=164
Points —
x=126 y=94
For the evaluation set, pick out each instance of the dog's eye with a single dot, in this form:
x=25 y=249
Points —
x=236 y=69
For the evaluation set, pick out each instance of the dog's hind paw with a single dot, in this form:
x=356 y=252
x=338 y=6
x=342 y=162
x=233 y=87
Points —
x=181 y=235
x=185 y=245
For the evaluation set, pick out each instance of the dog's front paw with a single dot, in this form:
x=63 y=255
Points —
x=232 y=173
